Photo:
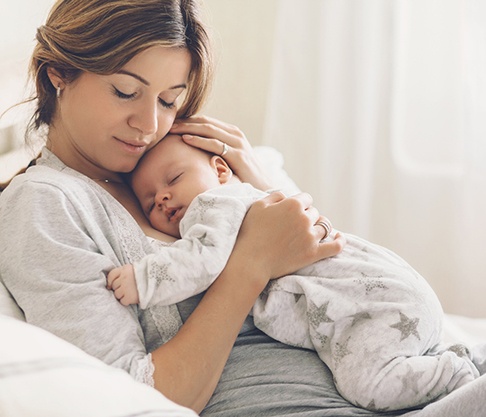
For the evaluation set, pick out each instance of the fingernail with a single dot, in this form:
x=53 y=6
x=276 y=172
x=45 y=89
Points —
x=187 y=137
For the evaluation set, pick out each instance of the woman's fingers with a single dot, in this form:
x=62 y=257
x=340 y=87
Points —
x=274 y=197
x=209 y=133
x=216 y=146
x=322 y=228
x=306 y=200
x=205 y=126
x=225 y=140
x=329 y=248
x=281 y=234
x=324 y=225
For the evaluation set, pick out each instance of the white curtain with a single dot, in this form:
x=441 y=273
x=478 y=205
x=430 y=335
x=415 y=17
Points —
x=379 y=108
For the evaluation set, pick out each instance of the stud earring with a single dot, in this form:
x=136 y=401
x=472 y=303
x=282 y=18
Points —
x=58 y=91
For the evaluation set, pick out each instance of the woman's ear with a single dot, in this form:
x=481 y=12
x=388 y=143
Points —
x=55 y=78
x=223 y=171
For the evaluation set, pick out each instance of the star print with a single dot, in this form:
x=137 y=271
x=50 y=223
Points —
x=340 y=351
x=371 y=405
x=323 y=339
x=407 y=327
x=370 y=283
x=410 y=380
x=318 y=315
x=204 y=241
x=205 y=205
x=274 y=285
x=263 y=296
x=360 y=317
x=160 y=273
x=460 y=350
x=263 y=323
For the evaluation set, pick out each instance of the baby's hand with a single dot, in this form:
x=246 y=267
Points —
x=122 y=282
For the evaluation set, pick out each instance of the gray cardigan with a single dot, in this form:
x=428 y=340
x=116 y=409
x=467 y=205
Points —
x=61 y=233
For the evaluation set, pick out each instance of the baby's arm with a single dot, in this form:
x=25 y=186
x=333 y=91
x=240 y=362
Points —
x=122 y=282
x=191 y=264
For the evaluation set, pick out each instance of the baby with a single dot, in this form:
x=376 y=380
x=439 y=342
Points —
x=372 y=319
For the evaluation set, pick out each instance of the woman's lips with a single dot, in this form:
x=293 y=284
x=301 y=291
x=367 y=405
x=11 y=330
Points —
x=132 y=147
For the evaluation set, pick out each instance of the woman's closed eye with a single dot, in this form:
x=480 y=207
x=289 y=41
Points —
x=131 y=96
x=123 y=95
x=166 y=105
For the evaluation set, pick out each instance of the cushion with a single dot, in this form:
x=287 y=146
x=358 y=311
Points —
x=44 y=376
x=272 y=162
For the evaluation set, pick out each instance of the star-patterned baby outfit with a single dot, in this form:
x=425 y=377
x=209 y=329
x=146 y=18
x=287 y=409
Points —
x=372 y=319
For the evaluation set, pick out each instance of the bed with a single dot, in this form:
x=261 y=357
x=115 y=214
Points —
x=42 y=375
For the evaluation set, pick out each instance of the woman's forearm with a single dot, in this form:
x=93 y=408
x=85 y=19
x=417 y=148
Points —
x=189 y=366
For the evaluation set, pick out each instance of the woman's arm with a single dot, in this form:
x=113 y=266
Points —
x=277 y=237
x=210 y=134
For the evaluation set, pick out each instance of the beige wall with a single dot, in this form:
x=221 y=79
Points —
x=243 y=34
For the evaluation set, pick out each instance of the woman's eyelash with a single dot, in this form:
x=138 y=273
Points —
x=166 y=105
x=118 y=93
x=124 y=96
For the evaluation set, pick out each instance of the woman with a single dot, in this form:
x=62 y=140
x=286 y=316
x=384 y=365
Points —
x=111 y=79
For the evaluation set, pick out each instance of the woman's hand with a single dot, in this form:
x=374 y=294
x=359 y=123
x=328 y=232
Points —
x=280 y=235
x=226 y=140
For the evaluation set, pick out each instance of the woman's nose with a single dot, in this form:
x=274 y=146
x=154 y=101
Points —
x=145 y=119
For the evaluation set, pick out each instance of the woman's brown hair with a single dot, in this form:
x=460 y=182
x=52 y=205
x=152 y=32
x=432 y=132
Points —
x=101 y=36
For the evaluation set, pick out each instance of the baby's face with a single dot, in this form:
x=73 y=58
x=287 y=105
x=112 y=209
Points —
x=168 y=178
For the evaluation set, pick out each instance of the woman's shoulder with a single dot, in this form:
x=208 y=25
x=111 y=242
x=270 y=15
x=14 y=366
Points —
x=43 y=184
x=50 y=188
x=49 y=178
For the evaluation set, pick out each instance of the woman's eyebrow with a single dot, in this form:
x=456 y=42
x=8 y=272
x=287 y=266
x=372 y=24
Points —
x=144 y=81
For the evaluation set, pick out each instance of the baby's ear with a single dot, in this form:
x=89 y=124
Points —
x=223 y=171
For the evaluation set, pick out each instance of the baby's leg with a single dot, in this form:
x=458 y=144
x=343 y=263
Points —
x=382 y=373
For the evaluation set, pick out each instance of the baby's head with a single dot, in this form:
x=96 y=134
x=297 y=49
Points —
x=170 y=176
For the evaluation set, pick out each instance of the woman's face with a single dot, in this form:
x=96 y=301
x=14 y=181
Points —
x=105 y=123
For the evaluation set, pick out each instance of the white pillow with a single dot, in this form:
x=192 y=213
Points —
x=14 y=160
x=44 y=376
x=272 y=162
